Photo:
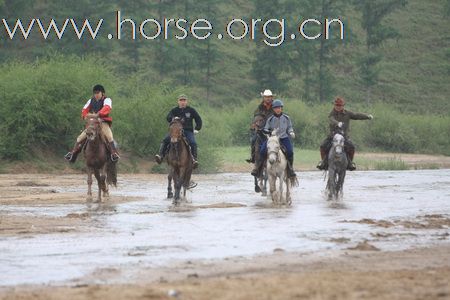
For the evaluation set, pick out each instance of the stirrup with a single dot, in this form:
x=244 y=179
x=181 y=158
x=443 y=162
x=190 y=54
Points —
x=68 y=156
x=320 y=165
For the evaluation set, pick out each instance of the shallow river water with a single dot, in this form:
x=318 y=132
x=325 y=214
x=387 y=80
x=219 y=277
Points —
x=231 y=221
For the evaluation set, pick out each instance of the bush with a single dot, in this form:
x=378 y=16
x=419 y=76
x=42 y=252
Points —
x=41 y=103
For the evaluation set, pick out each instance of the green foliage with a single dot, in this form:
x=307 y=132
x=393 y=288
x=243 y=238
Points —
x=41 y=103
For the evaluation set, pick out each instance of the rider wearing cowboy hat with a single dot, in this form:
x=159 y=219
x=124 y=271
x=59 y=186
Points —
x=100 y=105
x=283 y=126
x=187 y=115
x=339 y=119
x=264 y=110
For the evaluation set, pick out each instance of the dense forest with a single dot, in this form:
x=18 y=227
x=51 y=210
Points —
x=393 y=61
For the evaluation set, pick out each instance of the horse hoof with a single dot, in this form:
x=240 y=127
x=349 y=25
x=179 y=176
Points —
x=264 y=194
x=257 y=189
x=169 y=195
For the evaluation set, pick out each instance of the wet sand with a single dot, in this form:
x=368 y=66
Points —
x=411 y=274
x=363 y=248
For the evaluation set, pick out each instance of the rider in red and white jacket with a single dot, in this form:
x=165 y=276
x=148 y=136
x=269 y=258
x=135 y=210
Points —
x=100 y=105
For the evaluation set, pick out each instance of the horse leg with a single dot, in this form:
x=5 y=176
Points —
x=169 y=186
x=272 y=182
x=282 y=176
x=105 y=187
x=264 y=184
x=89 y=182
x=288 y=192
x=257 y=187
x=177 y=186
x=340 y=186
x=331 y=182
x=99 y=183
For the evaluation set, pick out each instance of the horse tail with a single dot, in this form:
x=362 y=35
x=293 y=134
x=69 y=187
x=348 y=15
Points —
x=293 y=181
x=111 y=172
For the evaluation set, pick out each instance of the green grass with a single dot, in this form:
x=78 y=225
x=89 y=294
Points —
x=234 y=158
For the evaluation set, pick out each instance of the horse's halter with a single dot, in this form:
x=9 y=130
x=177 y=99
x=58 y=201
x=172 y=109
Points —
x=92 y=127
x=338 y=143
x=175 y=131
x=274 y=151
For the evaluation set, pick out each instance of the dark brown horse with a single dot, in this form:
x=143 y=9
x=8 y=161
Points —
x=261 y=181
x=97 y=159
x=179 y=159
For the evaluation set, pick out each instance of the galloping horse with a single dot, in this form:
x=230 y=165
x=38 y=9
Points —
x=277 y=169
x=261 y=181
x=97 y=159
x=337 y=167
x=179 y=159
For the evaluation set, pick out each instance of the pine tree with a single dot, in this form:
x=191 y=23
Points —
x=373 y=14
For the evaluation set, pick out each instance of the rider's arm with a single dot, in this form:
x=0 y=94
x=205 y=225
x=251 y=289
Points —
x=169 y=116
x=107 y=106
x=332 y=120
x=358 y=116
x=198 y=120
x=267 y=126
x=290 y=128
x=86 y=109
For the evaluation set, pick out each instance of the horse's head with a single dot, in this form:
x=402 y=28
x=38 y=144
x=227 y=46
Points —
x=273 y=148
x=258 y=122
x=338 y=143
x=93 y=123
x=176 y=130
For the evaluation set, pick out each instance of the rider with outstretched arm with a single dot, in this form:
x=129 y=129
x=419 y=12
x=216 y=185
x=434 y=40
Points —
x=339 y=118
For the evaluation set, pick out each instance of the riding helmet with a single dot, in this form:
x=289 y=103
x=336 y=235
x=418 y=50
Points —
x=98 y=88
x=277 y=103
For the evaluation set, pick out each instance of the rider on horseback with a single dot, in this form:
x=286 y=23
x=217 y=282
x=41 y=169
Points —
x=283 y=126
x=340 y=118
x=187 y=115
x=264 y=110
x=100 y=105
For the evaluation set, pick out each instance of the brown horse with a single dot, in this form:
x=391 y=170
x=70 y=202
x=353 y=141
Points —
x=97 y=159
x=179 y=159
x=261 y=181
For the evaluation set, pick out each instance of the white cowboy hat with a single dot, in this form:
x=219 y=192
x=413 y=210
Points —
x=267 y=93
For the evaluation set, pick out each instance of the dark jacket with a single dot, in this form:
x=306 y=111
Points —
x=344 y=116
x=187 y=115
x=263 y=111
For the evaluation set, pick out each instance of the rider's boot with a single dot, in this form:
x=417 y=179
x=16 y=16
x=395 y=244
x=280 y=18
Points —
x=73 y=154
x=160 y=156
x=114 y=154
x=257 y=168
x=351 y=165
x=322 y=164
x=290 y=169
x=194 y=156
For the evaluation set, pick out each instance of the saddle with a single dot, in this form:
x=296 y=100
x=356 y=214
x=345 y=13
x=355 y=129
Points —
x=185 y=141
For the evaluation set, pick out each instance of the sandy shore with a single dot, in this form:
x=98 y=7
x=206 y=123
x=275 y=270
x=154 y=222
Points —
x=352 y=274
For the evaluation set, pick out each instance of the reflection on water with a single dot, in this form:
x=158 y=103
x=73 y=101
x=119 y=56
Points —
x=149 y=233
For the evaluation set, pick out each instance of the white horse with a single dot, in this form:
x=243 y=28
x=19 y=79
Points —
x=277 y=169
x=337 y=167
